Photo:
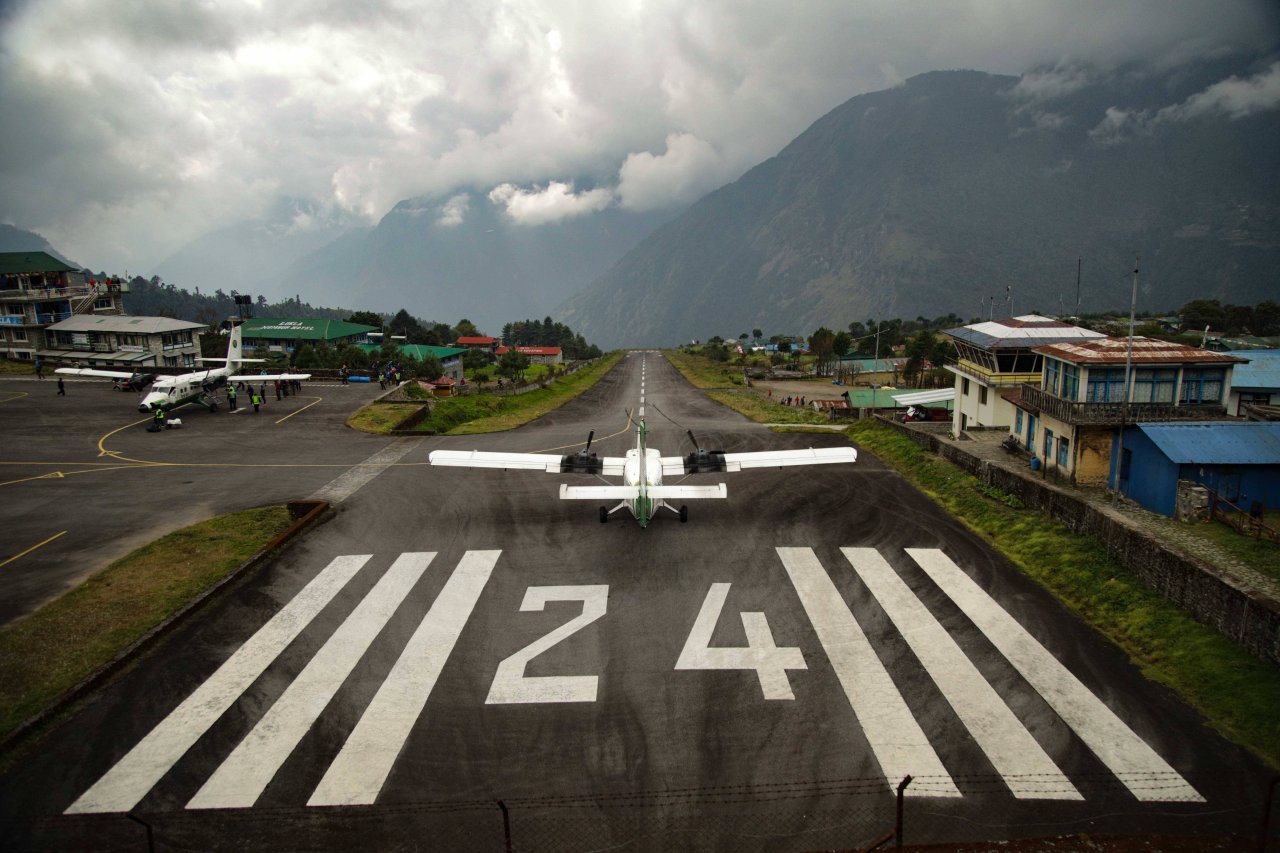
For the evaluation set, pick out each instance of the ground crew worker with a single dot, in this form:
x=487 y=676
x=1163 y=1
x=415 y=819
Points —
x=157 y=418
x=256 y=399
x=231 y=398
x=62 y=389
x=277 y=386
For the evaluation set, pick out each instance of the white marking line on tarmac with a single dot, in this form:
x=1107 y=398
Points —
x=895 y=737
x=1134 y=762
x=642 y=411
x=1026 y=768
x=351 y=480
x=241 y=779
x=358 y=773
x=124 y=785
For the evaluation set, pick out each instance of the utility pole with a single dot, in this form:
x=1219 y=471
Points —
x=1128 y=382
x=1008 y=293
x=876 y=367
x=1077 y=315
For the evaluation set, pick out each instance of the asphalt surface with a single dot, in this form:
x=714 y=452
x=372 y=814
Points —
x=452 y=638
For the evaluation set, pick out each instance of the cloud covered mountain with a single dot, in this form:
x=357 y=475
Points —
x=956 y=187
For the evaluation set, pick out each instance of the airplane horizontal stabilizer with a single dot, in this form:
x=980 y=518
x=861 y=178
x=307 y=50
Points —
x=599 y=493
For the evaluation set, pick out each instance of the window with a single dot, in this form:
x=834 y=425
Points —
x=1070 y=382
x=1154 y=385
x=982 y=395
x=1202 y=386
x=964 y=387
x=1017 y=421
x=1064 y=455
x=1106 y=385
x=1052 y=370
x=20 y=334
x=1048 y=444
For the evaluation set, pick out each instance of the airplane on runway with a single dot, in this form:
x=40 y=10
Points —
x=169 y=392
x=642 y=490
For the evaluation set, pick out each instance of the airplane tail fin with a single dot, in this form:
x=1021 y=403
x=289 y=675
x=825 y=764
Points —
x=234 y=348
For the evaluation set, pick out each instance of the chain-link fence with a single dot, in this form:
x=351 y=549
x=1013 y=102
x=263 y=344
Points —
x=836 y=814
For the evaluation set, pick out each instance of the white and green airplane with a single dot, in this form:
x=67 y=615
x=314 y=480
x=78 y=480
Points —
x=169 y=392
x=642 y=469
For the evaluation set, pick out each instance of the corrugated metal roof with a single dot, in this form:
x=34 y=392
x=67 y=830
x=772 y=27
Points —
x=1145 y=351
x=1262 y=371
x=1029 y=330
x=17 y=263
x=1217 y=443
x=920 y=398
x=123 y=323
x=308 y=329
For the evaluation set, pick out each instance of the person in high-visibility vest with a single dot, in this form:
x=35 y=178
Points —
x=157 y=418
x=231 y=398
x=256 y=399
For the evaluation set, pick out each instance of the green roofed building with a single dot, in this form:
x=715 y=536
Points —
x=286 y=335
x=38 y=290
x=450 y=357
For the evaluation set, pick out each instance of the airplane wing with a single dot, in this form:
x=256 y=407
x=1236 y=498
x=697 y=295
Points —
x=716 y=461
x=619 y=493
x=90 y=371
x=609 y=466
x=267 y=377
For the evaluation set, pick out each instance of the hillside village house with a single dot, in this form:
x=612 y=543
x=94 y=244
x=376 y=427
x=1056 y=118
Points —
x=481 y=342
x=287 y=334
x=995 y=358
x=537 y=355
x=1071 y=416
x=1255 y=387
x=37 y=290
x=130 y=342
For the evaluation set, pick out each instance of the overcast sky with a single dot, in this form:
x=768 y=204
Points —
x=133 y=126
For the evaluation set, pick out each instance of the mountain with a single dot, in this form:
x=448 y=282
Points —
x=959 y=186
x=461 y=257
x=252 y=256
x=14 y=239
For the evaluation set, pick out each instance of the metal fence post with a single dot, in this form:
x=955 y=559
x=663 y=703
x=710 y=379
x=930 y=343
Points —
x=897 y=827
x=506 y=824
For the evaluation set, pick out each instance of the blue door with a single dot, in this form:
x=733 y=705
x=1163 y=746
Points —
x=1031 y=431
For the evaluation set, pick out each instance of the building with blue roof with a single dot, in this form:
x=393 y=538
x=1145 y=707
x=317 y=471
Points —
x=1256 y=383
x=1240 y=460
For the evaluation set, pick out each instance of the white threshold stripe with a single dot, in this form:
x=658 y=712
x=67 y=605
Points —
x=124 y=785
x=1015 y=754
x=353 y=479
x=360 y=769
x=899 y=744
x=1147 y=776
x=245 y=774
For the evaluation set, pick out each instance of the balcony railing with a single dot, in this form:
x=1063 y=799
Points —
x=992 y=377
x=1113 y=414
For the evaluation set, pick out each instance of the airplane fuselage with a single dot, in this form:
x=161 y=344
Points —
x=643 y=471
x=170 y=392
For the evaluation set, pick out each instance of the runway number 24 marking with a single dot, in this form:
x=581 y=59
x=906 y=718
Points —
x=770 y=662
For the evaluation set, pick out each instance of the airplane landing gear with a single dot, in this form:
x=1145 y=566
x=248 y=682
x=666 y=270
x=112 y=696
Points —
x=684 y=513
x=604 y=514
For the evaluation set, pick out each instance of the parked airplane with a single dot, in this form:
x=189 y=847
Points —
x=169 y=392
x=642 y=490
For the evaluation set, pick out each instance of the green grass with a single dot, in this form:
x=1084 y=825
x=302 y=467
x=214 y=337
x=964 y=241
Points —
x=719 y=379
x=1238 y=693
x=480 y=413
x=1262 y=555
x=18 y=368
x=703 y=372
x=49 y=652
x=381 y=418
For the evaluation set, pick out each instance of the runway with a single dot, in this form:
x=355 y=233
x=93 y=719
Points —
x=762 y=677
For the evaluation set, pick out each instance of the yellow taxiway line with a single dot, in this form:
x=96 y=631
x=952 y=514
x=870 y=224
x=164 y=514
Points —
x=32 y=548
x=17 y=395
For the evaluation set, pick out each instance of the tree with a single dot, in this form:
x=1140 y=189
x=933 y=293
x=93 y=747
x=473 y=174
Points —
x=466 y=328
x=513 y=364
x=756 y=334
x=366 y=318
x=820 y=343
x=1202 y=312
x=841 y=344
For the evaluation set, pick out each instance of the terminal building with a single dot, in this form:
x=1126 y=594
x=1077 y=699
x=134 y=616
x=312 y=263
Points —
x=123 y=341
x=38 y=290
x=287 y=334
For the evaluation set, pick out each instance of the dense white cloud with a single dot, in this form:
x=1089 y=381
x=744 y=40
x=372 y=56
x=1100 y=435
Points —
x=144 y=123
x=554 y=203
x=454 y=211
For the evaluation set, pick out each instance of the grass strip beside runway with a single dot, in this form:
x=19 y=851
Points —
x=719 y=381
x=1237 y=692
x=53 y=649
x=479 y=413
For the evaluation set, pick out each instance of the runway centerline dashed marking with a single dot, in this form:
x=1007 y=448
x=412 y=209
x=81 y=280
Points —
x=359 y=475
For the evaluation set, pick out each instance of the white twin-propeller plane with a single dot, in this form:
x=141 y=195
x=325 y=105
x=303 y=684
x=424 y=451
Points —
x=169 y=392
x=642 y=490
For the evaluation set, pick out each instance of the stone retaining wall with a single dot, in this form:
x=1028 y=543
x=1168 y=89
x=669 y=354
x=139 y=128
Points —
x=1210 y=597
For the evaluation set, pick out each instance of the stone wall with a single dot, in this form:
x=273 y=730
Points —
x=1208 y=596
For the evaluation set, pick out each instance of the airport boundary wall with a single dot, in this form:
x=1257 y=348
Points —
x=1250 y=620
